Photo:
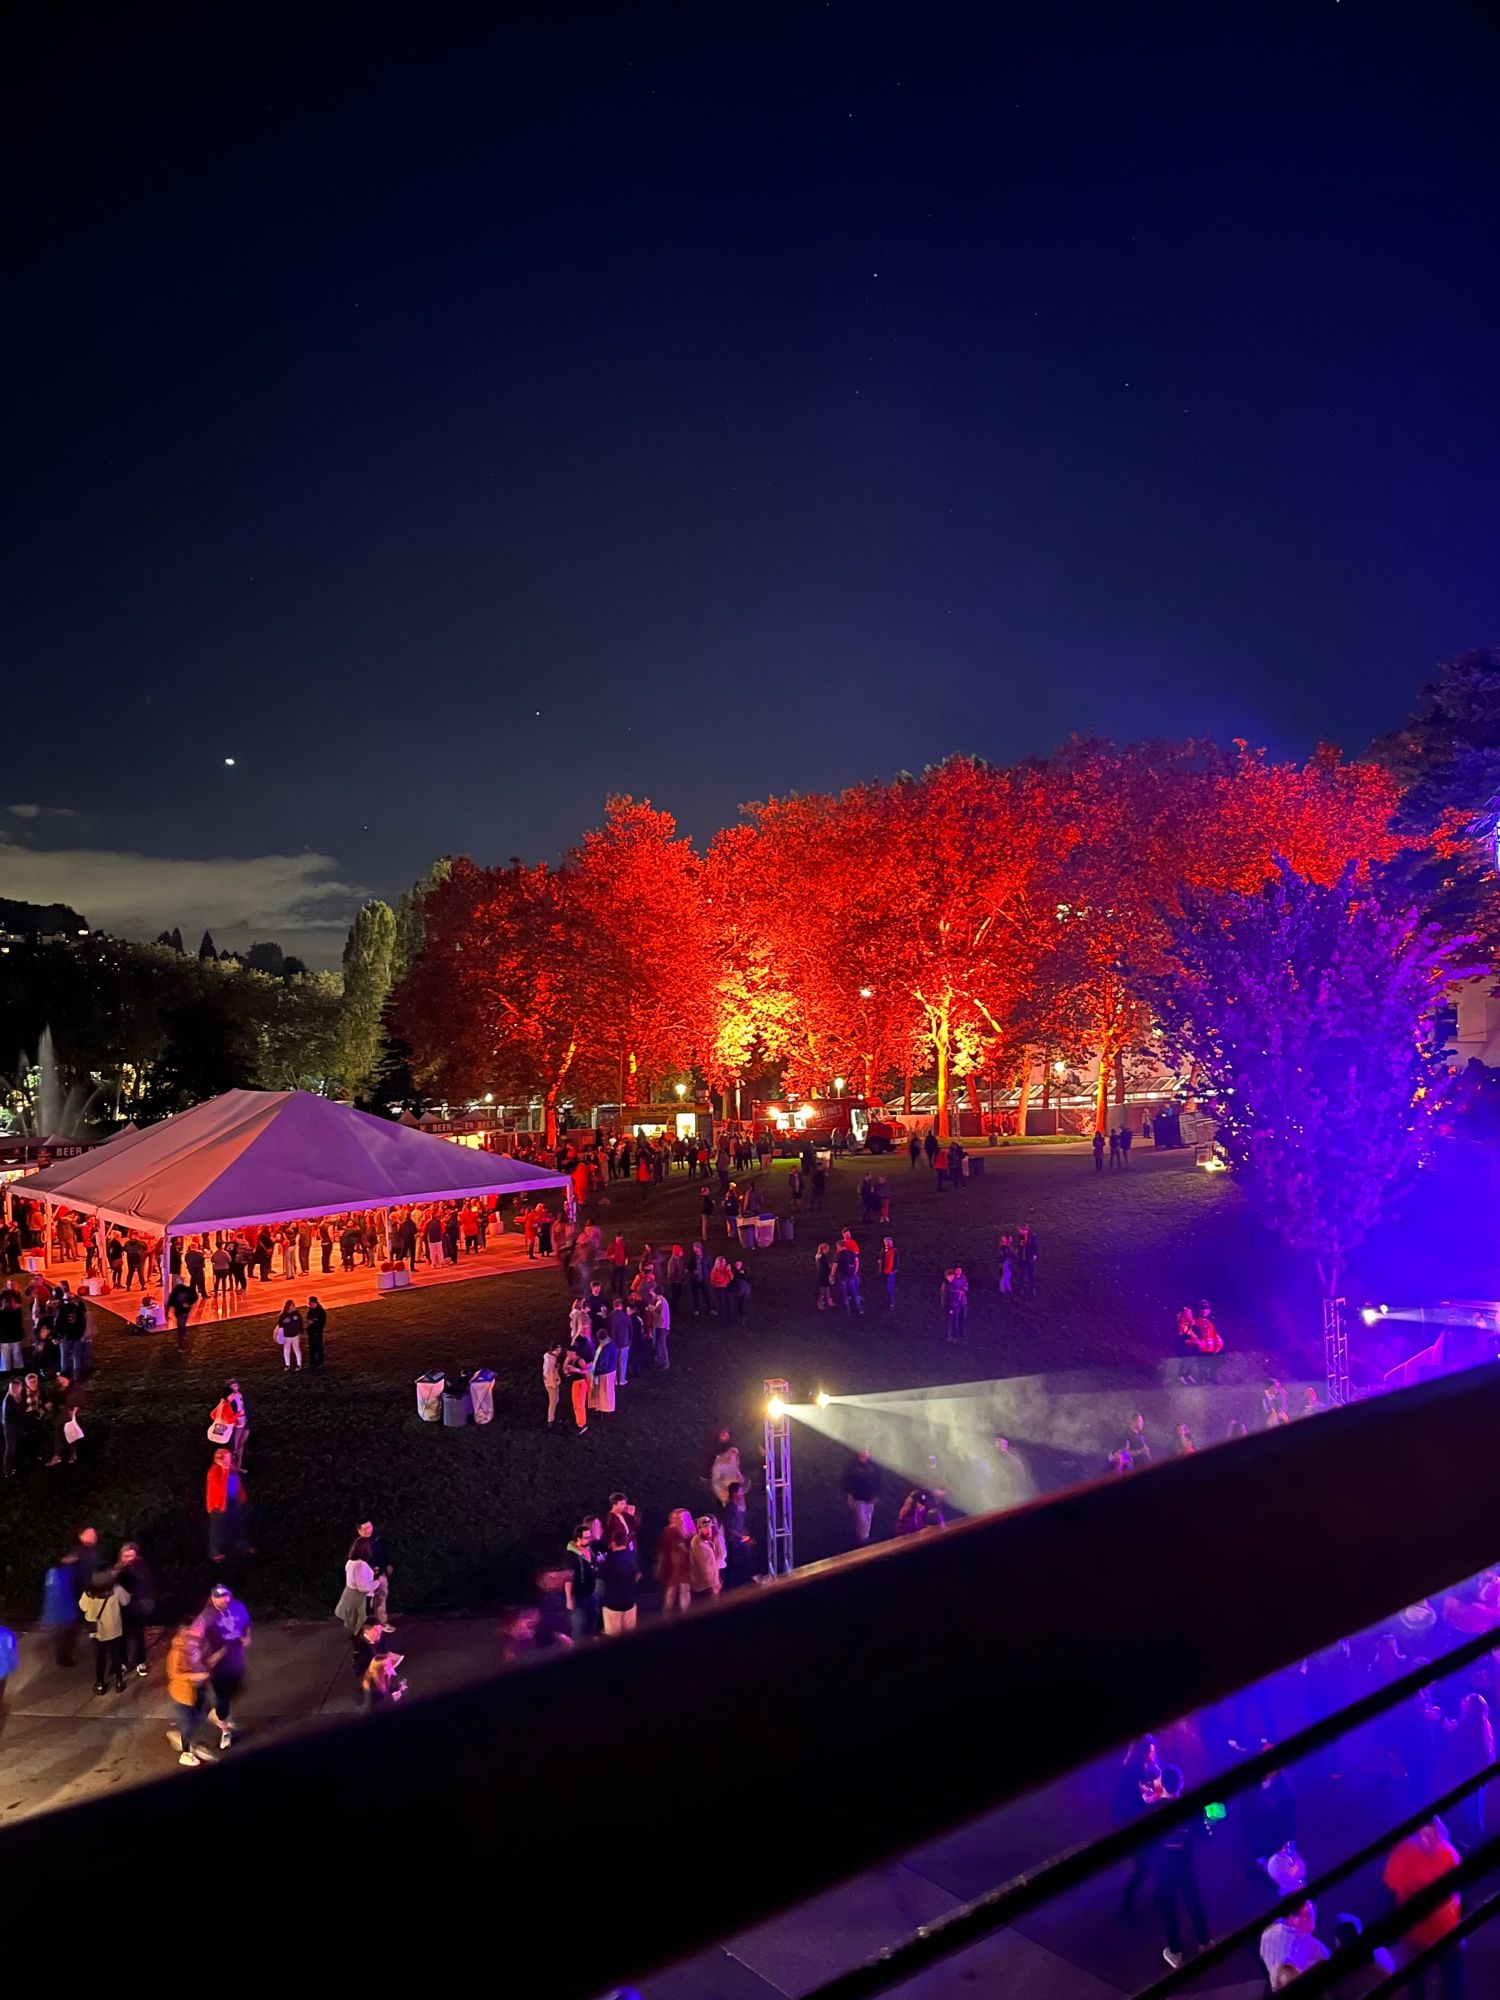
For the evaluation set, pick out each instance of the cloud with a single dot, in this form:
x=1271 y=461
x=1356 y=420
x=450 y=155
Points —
x=294 y=898
x=42 y=812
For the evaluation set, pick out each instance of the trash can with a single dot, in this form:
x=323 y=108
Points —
x=458 y=1403
x=430 y=1398
x=765 y=1231
x=746 y=1231
x=788 y=1228
x=482 y=1395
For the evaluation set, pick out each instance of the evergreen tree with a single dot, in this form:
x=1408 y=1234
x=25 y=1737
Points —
x=369 y=957
x=206 y=947
x=176 y=940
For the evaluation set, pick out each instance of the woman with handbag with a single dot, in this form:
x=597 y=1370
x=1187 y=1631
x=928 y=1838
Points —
x=353 y=1607
x=289 y=1334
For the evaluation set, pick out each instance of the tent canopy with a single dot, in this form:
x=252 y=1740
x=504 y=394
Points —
x=272 y=1156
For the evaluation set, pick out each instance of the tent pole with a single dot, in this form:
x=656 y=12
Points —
x=166 y=1271
x=47 y=1235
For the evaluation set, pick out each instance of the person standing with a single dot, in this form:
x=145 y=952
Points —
x=578 y=1371
x=317 y=1326
x=706 y=1558
x=888 y=1267
x=15 y=1427
x=698 y=1279
x=194 y=1263
x=132 y=1573
x=661 y=1332
x=62 y=1587
x=187 y=1679
x=552 y=1379
x=673 y=1564
x=222 y=1276
x=1114 y=1147
x=1098 y=1145
x=1415 y=1863
x=1026 y=1253
x=606 y=1368
x=381 y=1568
x=1174 y=1873
x=862 y=1483
x=227 y=1635
x=1126 y=1136
x=720 y=1280
x=101 y=1607
x=581 y=1589
x=226 y=1499
x=621 y=1578
x=12 y=1330
x=955 y=1297
x=304 y=1247
x=289 y=1334
x=676 y=1277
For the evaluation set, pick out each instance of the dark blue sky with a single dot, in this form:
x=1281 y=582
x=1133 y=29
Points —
x=769 y=398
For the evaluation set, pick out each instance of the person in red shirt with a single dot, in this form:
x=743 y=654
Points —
x=1414 y=1863
x=226 y=1500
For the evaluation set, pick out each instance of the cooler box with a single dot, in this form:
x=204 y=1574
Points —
x=430 y=1398
x=391 y=1281
x=765 y=1231
x=482 y=1396
x=457 y=1410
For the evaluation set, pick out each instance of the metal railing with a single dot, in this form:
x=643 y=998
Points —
x=508 y=1801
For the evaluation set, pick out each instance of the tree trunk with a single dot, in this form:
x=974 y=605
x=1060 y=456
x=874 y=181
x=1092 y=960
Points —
x=550 y=1108
x=973 y=1082
x=1119 y=1076
x=1101 y=1097
x=1023 y=1094
x=906 y=1097
x=942 y=1086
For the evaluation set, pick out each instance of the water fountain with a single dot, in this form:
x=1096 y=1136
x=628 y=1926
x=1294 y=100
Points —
x=35 y=1103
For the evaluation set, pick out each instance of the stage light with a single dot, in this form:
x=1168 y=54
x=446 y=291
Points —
x=776 y=1409
x=822 y=1399
x=1369 y=1315
x=1384 y=1310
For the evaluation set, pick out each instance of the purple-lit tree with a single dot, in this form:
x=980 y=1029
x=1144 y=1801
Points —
x=1306 y=1010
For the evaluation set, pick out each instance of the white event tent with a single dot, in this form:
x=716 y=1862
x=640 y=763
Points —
x=255 y=1156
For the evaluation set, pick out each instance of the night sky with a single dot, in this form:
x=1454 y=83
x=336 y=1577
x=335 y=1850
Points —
x=454 y=424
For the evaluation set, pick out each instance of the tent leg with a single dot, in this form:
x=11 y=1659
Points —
x=166 y=1273
x=47 y=1237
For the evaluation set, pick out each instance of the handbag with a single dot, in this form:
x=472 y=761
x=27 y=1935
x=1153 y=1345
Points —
x=219 y=1432
x=73 y=1431
x=280 y=1337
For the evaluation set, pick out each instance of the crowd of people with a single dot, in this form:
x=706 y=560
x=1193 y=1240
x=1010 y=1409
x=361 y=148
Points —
x=46 y=1352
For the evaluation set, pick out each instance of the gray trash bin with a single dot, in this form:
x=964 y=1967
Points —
x=457 y=1410
x=788 y=1228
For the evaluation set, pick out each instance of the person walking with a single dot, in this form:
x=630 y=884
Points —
x=187 y=1680
x=862 y=1482
x=101 y=1606
x=1098 y=1145
x=226 y=1500
x=317 y=1326
x=180 y=1302
x=134 y=1576
x=227 y=1634
x=1174 y=1874
x=823 y=1270
x=354 y=1609
x=289 y=1334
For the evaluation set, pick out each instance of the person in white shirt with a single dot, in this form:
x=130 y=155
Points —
x=1288 y=1947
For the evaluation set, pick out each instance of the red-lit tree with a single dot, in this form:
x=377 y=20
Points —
x=499 y=995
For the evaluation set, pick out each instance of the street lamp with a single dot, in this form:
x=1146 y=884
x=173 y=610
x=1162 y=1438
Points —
x=1059 y=1069
x=867 y=992
x=681 y=1092
x=838 y=1085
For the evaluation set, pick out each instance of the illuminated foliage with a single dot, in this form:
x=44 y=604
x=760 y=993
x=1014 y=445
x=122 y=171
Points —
x=1306 y=1011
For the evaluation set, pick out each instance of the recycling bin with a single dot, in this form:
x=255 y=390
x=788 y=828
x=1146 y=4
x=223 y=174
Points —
x=430 y=1398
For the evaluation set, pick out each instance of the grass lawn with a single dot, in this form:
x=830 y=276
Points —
x=469 y=1514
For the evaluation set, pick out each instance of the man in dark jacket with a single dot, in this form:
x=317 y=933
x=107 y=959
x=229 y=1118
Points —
x=862 y=1490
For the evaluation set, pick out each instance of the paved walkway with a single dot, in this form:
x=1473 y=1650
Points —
x=61 y=1743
